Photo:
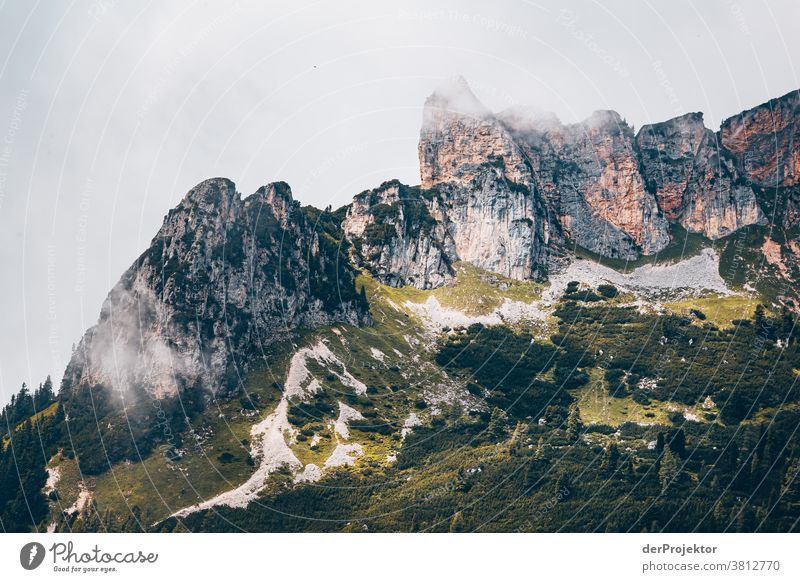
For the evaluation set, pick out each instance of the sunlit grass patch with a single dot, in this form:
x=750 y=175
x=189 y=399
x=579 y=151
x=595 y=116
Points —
x=718 y=310
x=474 y=292
x=597 y=406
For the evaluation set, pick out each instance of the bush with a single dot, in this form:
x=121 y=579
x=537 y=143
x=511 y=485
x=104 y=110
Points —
x=607 y=291
x=698 y=314
x=226 y=457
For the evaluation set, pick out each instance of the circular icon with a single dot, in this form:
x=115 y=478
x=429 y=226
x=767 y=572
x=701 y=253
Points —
x=31 y=555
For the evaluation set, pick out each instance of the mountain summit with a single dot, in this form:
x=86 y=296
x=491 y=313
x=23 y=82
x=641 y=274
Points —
x=592 y=324
x=225 y=277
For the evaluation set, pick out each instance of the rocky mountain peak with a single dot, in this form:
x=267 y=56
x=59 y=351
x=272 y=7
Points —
x=222 y=279
x=211 y=196
x=766 y=141
x=399 y=233
x=278 y=195
x=460 y=138
x=489 y=203
x=605 y=120
x=453 y=98
x=694 y=178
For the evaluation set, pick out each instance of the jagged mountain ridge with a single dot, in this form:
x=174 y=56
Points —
x=447 y=391
x=223 y=279
x=513 y=187
x=507 y=193
x=695 y=180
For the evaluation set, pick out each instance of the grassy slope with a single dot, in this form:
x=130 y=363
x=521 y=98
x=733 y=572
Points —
x=597 y=406
x=720 y=311
x=475 y=292
x=742 y=263
x=159 y=486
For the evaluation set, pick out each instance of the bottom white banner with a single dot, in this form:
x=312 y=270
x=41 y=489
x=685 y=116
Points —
x=335 y=557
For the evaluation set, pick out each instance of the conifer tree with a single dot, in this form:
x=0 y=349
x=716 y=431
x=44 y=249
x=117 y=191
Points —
x=669 y=470
x=574 y=423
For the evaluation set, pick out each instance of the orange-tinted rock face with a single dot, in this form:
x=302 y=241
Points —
x=504 y=192
x=459 y=138
x=613 y=186
x=489 y=205
x=589 y=174
x=668 y=152
x=695 y=180
x=766 y=141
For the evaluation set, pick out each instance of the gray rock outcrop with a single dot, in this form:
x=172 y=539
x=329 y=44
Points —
x=223 y=279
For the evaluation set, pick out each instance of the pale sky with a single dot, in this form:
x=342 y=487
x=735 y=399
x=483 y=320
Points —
x=110 y=111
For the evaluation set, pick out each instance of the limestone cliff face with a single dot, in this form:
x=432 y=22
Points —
x=695 y=179
x=589 y=174
x=222 y=280
x=394 y=233
x=460 y=138
x=766 y=141
x=509 y=192
x=477 y=203
x=488 y=201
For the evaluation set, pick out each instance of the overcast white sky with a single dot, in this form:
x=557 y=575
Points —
x=110 y=111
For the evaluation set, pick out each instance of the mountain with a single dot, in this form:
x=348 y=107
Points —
x=509 y=192
x=563 y=327
x=590 y=176
x=398 y=237
x=223 y=279
x=490 y=205
x=695 y=178
x=765 y=141
x=477 y=198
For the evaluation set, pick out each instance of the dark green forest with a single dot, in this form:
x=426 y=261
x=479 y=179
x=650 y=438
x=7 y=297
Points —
x=524 y=461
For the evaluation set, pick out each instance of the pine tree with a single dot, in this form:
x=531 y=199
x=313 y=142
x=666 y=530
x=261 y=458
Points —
x=22 y=478
x=787 y=324
x=44 y=396
x=759 y=318
x=677 y=443
x=729 y=462
x=538 y=454
x=720 y=516
x=755 y=468
x=629 y=470
x=611 y=460
x=669 y=470
x=496 y=431
x=518 y=438
x=574 y=423
x=563 y=486
x=745 y=519
x=790 y=484
x=660 y=443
